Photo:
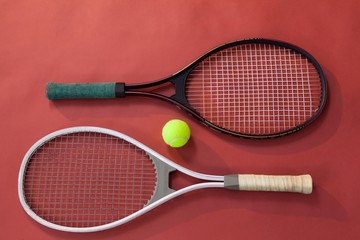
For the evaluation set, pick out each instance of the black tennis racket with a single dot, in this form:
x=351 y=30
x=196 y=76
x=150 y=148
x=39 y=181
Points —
x=254 y=88
x=86 y=179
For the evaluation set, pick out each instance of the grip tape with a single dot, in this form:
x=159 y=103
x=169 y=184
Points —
x=80 y=90
x=253 y=182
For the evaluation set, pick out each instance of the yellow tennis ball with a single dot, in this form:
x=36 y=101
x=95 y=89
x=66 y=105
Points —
x=176 y=133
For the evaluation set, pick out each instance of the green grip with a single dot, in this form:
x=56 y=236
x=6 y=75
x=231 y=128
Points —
x=80 y=90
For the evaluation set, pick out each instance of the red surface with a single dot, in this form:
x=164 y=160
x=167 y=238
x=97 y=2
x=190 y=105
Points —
x=138 y=41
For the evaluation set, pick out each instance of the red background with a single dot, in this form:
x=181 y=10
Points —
x=139 y=41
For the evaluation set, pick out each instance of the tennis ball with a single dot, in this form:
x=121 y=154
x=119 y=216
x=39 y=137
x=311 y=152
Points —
x=176 y=133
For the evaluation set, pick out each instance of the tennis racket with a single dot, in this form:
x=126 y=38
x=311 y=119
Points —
x=86 y=179
x=254 y=88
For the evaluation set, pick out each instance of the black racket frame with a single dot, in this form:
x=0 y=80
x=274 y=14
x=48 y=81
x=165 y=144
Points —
x=179 y=81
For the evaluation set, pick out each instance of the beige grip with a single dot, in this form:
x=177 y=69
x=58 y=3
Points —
x=253 y=182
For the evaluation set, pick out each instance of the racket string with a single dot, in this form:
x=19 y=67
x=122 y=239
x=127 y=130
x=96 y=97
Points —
x=88 y=179
x=255 y=89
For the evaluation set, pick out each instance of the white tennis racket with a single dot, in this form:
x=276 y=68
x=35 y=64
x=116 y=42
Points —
x=86 y=179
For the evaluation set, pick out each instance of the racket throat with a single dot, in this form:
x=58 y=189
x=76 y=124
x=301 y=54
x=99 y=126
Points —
x=160 y=90
x=163 y=171
x=179 y=80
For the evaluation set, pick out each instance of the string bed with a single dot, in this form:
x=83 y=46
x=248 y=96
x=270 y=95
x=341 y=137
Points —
x=256 y=89
x=88 y=179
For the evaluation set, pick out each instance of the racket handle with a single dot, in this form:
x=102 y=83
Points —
x=253 y=182
x=84 y=90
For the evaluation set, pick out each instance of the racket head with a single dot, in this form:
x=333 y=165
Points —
x=254 y=88
x=86 y=179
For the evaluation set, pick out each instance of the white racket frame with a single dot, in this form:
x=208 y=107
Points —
x=217 y=181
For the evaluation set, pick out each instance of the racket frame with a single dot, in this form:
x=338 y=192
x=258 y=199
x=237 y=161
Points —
x=161 y=194
x=179 y=81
